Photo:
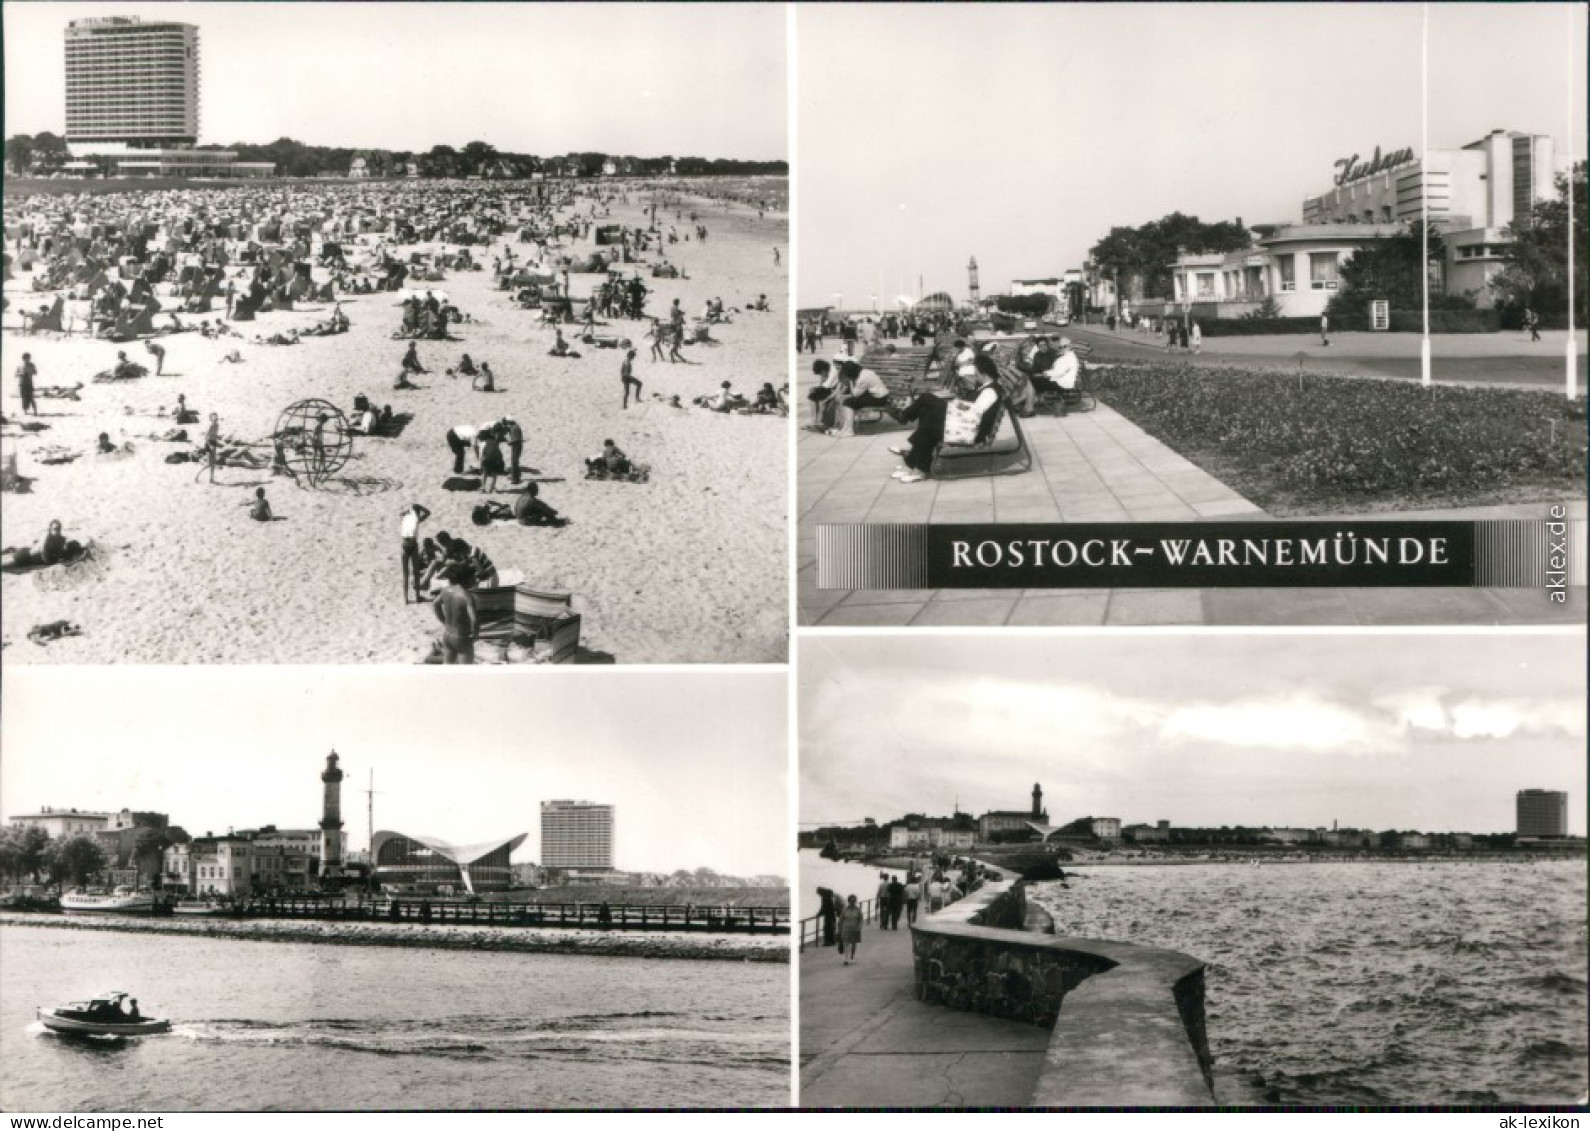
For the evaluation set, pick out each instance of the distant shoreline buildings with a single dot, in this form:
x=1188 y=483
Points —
x=1542 y=819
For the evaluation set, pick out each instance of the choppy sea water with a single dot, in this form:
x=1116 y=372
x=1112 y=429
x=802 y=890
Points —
x=1369 y=983
x=273 y=1026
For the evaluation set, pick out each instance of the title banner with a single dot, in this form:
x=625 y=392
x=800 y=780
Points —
x=1525 y=554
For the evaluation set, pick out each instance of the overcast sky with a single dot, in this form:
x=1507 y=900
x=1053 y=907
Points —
x=1428 y=732
x=691 y=80
x=694 y=761
x=1021 y=133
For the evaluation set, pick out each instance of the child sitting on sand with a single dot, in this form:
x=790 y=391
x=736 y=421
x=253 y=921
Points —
x=259 y=509
x=485 y=381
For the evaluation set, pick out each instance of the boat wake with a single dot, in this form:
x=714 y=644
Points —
x=645 y=1036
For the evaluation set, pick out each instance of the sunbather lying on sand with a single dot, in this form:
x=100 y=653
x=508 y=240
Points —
x=55 y=630
x=231 y=452
x=52 y=548
x=724 y=400
x=59 y=392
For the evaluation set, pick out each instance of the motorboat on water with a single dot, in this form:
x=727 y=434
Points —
x=122 y=901
x=102 y=1016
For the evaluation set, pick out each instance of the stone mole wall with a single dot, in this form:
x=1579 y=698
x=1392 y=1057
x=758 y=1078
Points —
x=1127 y=1021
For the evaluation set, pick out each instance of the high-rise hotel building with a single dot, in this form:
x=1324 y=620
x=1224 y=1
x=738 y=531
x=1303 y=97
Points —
x=1542 y=812
x=131 y=84
x=577 y=835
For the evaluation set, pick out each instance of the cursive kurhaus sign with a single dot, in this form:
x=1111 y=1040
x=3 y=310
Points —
x=1352 y=169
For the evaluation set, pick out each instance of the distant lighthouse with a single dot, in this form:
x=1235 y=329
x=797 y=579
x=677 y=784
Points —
x=331 y=820
x=1038 y=813
x=972 y=289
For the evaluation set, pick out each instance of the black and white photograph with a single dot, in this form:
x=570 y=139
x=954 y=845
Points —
x=1024 y=556
x=277 y=889
x=352 y=333
x=1141 y=870
x=1126 y=264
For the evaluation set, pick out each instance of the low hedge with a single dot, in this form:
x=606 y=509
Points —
x=1402 y=322
x=1514 y=320
x=1327 y=444
x=1246 y=327
x=1447 y=322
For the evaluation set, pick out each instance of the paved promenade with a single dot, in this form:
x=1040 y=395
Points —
x=866 y=1041
x=1100 y=467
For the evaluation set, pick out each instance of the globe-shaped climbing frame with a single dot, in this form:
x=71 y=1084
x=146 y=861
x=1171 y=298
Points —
x=313 y=439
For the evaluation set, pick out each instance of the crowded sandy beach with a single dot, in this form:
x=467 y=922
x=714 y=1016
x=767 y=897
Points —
x=581 y=386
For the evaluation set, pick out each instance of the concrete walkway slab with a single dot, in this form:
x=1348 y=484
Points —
x=865 y=1041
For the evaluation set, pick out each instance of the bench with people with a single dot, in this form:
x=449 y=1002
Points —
x=962 y=429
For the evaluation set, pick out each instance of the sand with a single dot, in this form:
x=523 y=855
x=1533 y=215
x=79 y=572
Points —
x=690 y=567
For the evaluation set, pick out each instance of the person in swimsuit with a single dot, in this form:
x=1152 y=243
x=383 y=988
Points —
x=455 y=608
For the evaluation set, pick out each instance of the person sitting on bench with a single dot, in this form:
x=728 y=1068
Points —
x=985 y=400
x=823 y=392
x=867 y=390
x=1062 y=375
x=927 y=412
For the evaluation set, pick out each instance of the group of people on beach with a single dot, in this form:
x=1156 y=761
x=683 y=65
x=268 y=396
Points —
x=250 y=251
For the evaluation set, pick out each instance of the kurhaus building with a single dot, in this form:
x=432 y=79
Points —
x=1472 y=194
x=425 y=864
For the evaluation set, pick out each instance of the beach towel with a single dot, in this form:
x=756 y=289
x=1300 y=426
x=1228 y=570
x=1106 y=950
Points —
x=637 y=473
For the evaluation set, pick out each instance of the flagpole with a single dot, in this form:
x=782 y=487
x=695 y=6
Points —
x=1572 y=348
x=1424 y=193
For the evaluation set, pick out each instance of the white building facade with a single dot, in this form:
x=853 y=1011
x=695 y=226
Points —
x=1471 y=194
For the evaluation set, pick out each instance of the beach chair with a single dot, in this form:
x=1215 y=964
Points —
x=1002 y=450
x=50 y=319
x=521 y=612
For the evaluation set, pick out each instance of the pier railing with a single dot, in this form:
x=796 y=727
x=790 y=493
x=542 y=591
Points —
x=587 y=916
x=811 y=928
